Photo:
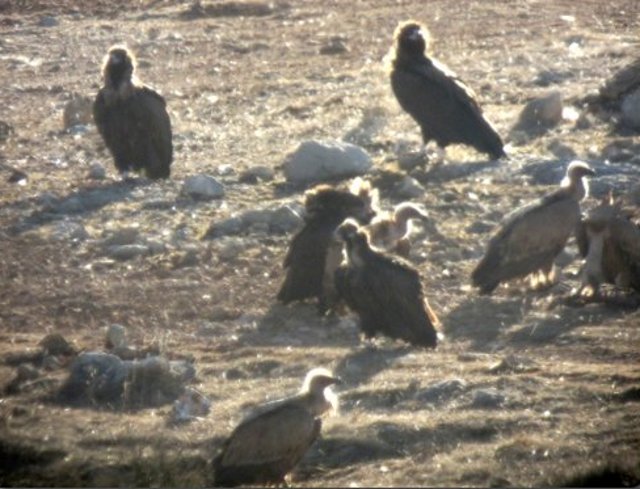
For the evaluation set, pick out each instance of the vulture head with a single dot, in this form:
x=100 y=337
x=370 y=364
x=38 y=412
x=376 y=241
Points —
x=406 y=211
x=118 y=67
x=411 y=38
x=356 y=241
x=574 y=178
x=317 y=383
x=360 y=202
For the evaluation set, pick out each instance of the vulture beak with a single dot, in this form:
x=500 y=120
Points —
x=590 y=172
x=337 y=381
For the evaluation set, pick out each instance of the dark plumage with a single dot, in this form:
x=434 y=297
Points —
x=385 y=292
x=610 y=243
x=307 y=260
x=443 y=106
x=132 y=119
x=531 y=237
x=268 y=444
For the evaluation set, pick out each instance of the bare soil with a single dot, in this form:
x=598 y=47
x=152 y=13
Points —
x=245 y=83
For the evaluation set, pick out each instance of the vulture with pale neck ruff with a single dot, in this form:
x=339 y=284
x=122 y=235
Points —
x=311 y=257
x=392 y=232
x=610 y=243
x=271 y=441
x=445 y=108
x=385 y=291
x=132 y=119
x=530 y=238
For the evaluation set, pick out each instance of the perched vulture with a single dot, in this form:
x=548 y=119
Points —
x=132 y=118
x=269 y=443
x=384 y=291
x=531 y=237
x=391 y=233
x=443 y=106
x=307 y=260
x=610 y=243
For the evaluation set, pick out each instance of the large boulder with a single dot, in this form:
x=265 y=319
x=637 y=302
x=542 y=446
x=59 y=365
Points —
x=316 y=161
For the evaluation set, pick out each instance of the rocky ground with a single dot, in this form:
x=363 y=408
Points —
x=525 y=390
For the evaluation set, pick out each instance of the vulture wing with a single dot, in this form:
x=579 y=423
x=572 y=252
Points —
x=264 y=448
x=305 y=261
x=529 y=241
x=444 y=107
x=150 y=109
x=625 y=236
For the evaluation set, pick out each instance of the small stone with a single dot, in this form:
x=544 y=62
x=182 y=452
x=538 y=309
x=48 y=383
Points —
x=441 y=391
x=230 y=248
x=48 y=21
x=480 y=227
x=229 y=227
x=316 y=161
x=78 y=112
x=127 y=252
x=234 y=374
x=410 y=188
x=203 y=187
x=409 y=161
x=541 y=114
x=487 y=398
x=336 y=45
x=97 y=172
x=69 y=230
x=191 y=405
x=225 y=170
x=256 y=174
x=155 y=247
x=116 y=336
x=284 y=219
x=122 y=236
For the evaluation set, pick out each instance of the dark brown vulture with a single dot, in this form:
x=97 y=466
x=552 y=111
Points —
x=307 y=261
x=392 y=232
x=531 y=237
x=384 y=291
x=132 y=119
x=610 y=243
x=443 y=106
x=269 y=443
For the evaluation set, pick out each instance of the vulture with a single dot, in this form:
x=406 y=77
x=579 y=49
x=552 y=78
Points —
x=385 y=291
x=610 y=244
x=270 y=442
x=532 y=237
x=391 y=232
x=445 y=108
x=132 y=119
x=310 y=256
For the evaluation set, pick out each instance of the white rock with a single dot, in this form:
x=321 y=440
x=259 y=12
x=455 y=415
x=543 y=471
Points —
x=203 y=187
x=630 y=109
x=316 y=161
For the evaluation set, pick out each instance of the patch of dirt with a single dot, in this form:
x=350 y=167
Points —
x=245 y=83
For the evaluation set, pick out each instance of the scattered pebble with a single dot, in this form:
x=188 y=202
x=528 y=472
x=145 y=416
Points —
x=203 y=187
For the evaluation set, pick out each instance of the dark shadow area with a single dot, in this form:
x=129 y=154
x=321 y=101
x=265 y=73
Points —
x=379 y=399
x=457 y=169
x=481 y=319
x=364 y=363
x=550 y=328
x=299 y=325
x=79 y=202
x=340 y=452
